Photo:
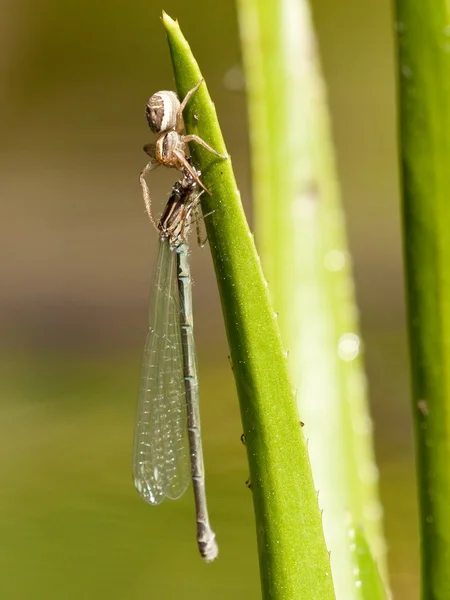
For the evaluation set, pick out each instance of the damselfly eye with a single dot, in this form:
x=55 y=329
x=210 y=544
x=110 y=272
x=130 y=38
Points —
x=161 y=111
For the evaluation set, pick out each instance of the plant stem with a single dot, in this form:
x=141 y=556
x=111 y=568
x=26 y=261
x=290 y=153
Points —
x=423 y=37
x=294 y=561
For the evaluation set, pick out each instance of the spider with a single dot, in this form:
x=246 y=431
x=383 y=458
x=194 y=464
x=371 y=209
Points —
x=165 y=117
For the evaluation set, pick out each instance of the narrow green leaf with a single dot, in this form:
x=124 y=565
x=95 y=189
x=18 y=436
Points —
x=423 y=38
x=294 y=561
x=304 y=252
x=366 y=577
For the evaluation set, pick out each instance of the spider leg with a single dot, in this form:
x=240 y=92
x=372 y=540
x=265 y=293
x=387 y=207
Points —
x=196 y=138
x=187 y=167
x=179 y=123
x=150 y=166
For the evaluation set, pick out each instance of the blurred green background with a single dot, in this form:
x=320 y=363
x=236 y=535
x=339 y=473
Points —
x=76 y=254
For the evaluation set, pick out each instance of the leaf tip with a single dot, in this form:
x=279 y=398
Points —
x=167 y=20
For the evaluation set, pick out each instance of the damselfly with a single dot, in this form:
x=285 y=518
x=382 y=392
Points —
x=167 y=440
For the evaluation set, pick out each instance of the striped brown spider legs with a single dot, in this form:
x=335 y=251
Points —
x=150 y=166
x=179 y=117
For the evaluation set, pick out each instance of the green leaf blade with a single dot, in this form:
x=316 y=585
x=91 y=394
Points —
x=366 y=576
x=294 y=561
x=304 y=251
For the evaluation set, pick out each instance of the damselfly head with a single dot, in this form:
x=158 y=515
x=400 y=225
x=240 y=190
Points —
x=161 y=111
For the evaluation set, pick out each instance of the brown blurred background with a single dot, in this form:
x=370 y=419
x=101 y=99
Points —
x=76 y=254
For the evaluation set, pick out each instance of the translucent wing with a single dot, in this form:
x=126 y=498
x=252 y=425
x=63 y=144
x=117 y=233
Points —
x=161 y=466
